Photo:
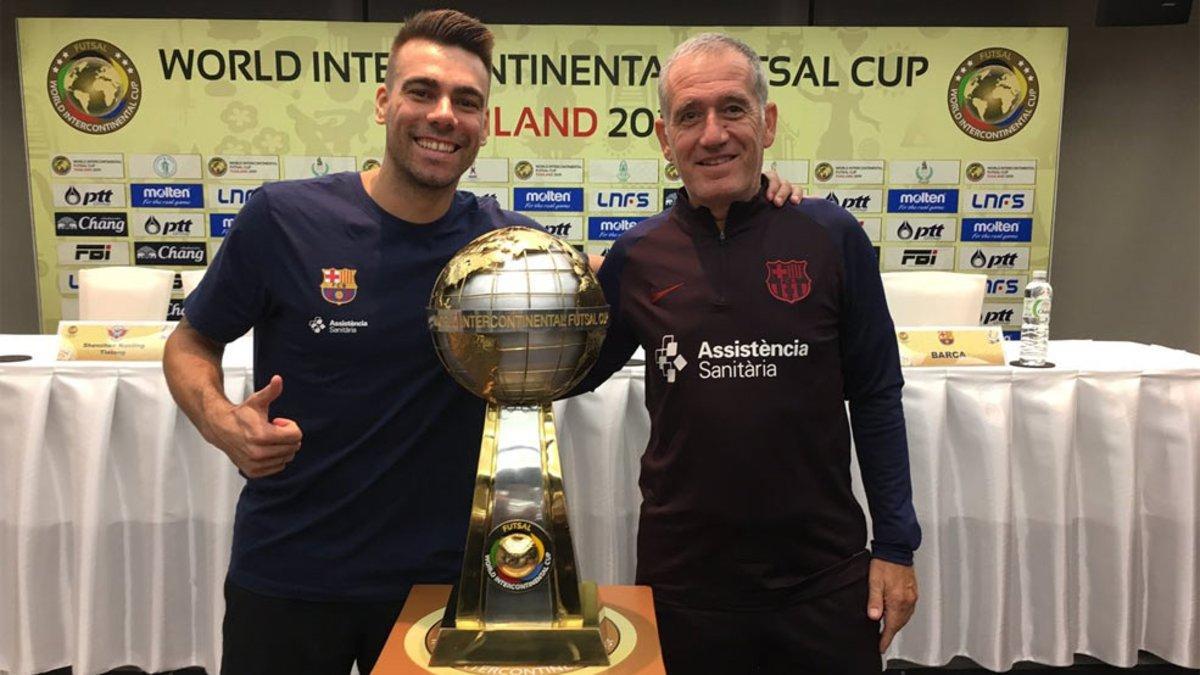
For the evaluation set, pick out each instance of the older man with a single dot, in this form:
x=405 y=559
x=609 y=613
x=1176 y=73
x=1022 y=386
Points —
x=758 y=324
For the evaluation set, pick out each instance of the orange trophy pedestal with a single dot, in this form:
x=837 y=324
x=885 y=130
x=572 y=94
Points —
x=626 y=623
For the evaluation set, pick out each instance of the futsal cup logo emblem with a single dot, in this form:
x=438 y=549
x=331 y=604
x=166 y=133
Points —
x=517 y=556
x=993 y=94
x=93 y=86
x=337 y=285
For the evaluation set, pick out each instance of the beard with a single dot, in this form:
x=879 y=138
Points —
x=428 y=179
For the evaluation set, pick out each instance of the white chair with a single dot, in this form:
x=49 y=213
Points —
x=124 y=293
x=191 y=279
x=934 y=298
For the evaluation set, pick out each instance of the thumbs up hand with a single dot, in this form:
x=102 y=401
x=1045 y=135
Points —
x=255 y=443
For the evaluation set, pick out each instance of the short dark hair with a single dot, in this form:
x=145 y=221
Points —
x=446 y=27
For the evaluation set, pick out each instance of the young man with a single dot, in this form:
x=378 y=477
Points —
x=359 y=448
x=758 y=324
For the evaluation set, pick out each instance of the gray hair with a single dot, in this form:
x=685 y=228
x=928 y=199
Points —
x=708 y=43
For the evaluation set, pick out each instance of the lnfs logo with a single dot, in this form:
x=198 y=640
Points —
x=993 y=94
x=668 y=359
x=93 y=86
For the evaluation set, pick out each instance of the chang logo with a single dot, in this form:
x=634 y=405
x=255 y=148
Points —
x=993 y=94
x=93 y=86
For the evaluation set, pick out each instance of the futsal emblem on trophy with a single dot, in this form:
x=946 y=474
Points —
x=518 y=318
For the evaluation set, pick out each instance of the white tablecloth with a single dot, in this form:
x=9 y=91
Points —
x=1060 y=509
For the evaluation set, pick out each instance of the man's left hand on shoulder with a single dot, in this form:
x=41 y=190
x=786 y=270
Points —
x=893 y=596
x=780 y=191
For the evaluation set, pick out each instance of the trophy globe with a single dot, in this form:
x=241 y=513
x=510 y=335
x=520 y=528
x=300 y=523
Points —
x=518 y=318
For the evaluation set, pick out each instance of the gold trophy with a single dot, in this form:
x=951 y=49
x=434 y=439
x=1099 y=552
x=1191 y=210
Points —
x=518 y=318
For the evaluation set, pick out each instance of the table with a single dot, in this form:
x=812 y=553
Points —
x=1060 y=508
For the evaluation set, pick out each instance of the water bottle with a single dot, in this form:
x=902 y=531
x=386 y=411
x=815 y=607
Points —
x=1035 y=321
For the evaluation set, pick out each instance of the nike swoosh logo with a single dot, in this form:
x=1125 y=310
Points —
x=659 y=295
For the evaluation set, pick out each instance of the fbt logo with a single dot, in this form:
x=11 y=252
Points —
x=1009 y=201
x=668 y=359
x=919 y=257
x=898 y=258
x=623 y=200
x=93 y=254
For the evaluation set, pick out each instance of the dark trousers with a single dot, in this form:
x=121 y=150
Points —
x=268 y=636
x=829 y=635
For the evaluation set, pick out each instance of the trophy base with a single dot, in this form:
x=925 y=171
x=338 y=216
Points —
x=520 y=647
x=524 y=645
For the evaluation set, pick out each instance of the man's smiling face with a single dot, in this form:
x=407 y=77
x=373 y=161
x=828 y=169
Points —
x=435 y=111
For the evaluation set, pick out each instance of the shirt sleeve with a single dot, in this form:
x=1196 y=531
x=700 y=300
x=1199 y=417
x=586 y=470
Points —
x=873 y=384
x=620 y=341
x=233 y=293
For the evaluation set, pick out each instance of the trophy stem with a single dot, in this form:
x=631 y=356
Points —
x=519 y=598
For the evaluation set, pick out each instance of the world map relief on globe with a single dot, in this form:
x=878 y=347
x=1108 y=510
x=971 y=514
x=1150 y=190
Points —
x=94 y=85
x=993 y=91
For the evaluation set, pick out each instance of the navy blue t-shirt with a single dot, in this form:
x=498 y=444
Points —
x=335 y=288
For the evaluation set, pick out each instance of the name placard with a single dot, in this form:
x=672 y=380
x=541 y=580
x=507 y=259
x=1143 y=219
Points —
x=113 y=340
x=950 y=346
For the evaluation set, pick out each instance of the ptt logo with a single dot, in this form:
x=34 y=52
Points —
x=558 y=229
x=994 y=258
x=70 y=195
x=994 y=315
x=167 y=195
x=906 y=231
x=623 y=200
x=219 y=223
x=610 y=227
x=1009 y=201
x=548 y=199
x=922 y=201
x=173 y=225
x=90 y=224
x=997 y=229
x=855 y=201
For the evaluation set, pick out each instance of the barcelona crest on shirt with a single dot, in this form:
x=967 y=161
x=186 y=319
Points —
x=337 y=284
x=788 y=280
